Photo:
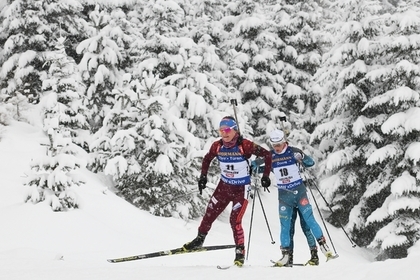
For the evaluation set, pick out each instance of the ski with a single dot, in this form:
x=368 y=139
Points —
x=295 y=264
x=332 y=257
x=229 y=266
x=224 y=267
x=176 y=251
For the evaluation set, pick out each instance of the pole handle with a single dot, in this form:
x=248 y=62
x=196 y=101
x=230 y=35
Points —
x=234 y=104
x=283 y=120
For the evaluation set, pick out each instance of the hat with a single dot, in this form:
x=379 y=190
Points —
x=277 y=137
x=229 y=122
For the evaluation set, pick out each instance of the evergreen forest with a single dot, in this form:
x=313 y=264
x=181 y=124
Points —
x=141 y=85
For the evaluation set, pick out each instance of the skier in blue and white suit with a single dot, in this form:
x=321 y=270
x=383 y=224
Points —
x=292 y=196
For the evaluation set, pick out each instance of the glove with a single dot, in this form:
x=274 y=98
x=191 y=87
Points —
x=298 y=156
x=202 y=183
x=265 y=183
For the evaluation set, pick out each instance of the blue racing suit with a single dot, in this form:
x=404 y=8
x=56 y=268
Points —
x=305 y=228
x=292 y=194
x=292 y=197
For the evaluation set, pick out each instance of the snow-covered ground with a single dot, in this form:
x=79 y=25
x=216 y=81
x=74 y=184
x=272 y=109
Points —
x=39 y=244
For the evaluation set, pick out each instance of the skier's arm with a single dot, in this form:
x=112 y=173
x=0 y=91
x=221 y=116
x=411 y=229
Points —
x=259 y=151
x=256 y=165
x=307 y=161
x=211 y=154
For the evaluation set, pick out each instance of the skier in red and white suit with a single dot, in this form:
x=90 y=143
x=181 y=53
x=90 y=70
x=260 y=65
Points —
x=233 y=152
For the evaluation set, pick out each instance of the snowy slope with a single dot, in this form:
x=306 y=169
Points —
x=38 y=244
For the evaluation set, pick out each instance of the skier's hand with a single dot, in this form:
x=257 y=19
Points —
x=265 y=183
x=298 y=156
x=202 y=183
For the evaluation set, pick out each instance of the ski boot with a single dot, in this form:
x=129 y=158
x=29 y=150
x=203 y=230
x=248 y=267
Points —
x=286 y=259
x=195 y=244
x=290 y=263
x=325 y=249
x=314 y=257
x=239 y=255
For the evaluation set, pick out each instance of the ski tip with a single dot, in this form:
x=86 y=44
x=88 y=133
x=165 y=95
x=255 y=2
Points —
x=230 y=266
x=333 y=257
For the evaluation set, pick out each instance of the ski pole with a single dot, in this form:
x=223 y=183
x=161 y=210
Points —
x=323 y=221
x=328 y=205
x=265 y=217
x=250 y=224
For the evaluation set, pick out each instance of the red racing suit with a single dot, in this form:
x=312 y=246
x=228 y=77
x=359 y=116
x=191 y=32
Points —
x=233 y=183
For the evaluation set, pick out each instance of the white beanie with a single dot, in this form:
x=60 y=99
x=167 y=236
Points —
x=277 y=137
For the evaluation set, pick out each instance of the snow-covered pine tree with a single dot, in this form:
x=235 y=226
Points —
x=205 y=13
x=53 y=175
x=124 y=30
x=143 y=142
x=64 y=79
x=208 y=34
x=340 y=82
x=134 y=24
x=389 y=210
x=21 y=59
x=100 y=64
x=164 y=184
x=115 y=146
x=250 y=53
x=300 y=26
x=28 y=28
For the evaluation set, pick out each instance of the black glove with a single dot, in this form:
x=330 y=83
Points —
x=202 y=183
x=265 y=183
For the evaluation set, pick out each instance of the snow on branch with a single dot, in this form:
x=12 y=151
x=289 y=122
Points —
x=249 y=23
x=379 y=214
x=375 y=187
x=293 y=90
x=359 y=126
x=388 y=237
x=196 y=104
x=339 y=158
x=116 y=167
x=396 y=201
x=330 y=185
x=163 y=165
x=408 y=120
x=381 y=154
x=395 y=96
x=125 y=139
x=413 y=152
x=334 y=128
x=404 y=184
x=403 y=203
x=353 y=70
